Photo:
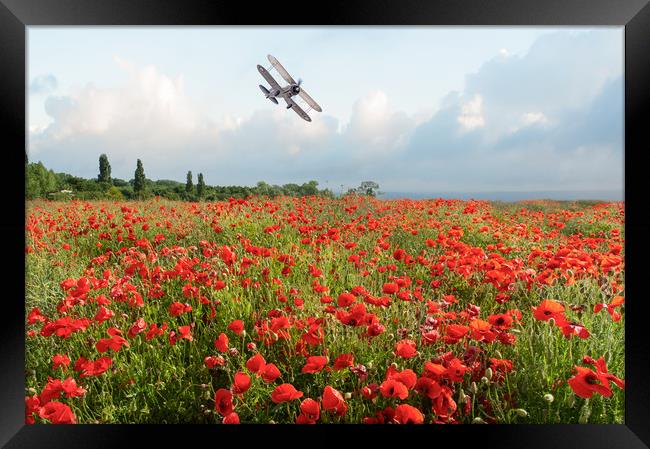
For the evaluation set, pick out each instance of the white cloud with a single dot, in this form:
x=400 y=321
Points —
x=471 y=115
x=530 y=118
x=375 y=127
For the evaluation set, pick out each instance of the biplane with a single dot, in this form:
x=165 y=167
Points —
x=287 y=92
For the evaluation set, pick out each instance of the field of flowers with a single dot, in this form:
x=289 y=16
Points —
x=313 y=310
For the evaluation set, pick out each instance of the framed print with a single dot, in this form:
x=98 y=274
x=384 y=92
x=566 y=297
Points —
x=369 y=220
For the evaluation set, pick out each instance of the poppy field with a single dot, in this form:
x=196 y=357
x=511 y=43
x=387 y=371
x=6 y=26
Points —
x=316 y=310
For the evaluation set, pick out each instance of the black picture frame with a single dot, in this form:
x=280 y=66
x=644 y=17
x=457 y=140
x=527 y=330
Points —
x=634 y=15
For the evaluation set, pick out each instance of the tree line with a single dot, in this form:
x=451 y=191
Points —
x=43 y=183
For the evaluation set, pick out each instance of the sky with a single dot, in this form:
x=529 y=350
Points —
x=419 y=110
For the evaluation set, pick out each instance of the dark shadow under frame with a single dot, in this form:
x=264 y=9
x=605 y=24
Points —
x=16 y=15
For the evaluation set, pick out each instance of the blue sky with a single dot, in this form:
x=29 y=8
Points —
x=418 y=109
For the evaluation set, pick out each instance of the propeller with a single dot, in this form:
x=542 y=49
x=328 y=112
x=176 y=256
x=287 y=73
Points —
x=296 y=88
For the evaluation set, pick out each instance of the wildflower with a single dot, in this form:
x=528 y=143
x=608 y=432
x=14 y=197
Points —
x=285 y=393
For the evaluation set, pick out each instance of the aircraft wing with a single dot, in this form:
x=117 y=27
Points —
x=298 y=109
x=310 y=101
x=281 y=70
x=267 y=76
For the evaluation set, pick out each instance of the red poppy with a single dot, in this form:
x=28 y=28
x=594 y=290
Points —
x=502 y=321
x=176 y=308
x=242 y=383
x=183 y=332
x=32 y=405
x=35 y=316
x=223 y=402
x=221 y=343
x=548 y=309
x=393 y=388
x=390 y=288
x=237 y=327
x=482 y=330
x=345 y=299
x=154 y=331
x=114 y=343
x=211 y=361
x=60 y=360
x=457 y=331
x=611 y=307
x=256 y=363
x=333 y=401
x=407 y=414
x=90 y=368
x=428 y=387
x=375 y=329
x=270 y=372
x=304 y=419
x=285 y=393
x=310 y=409
x=584 y=380
x=52 y=390
x=571 y=329
x=71 y=389
x=456 y=370
x=232 y=418
x=314 y=364
x=343 y=361
x=587 y=382
x=139 y=326
x=57 y=413
x=406 y=349
x=407 y=377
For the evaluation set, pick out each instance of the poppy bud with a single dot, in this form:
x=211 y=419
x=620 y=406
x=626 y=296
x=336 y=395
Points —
x=478 y=420
x=251 y=346
x=485 y=380
x=31 y=390
x=461 y=396
x=233 y=352
x=271 y=422
x=369 y=365
x=548 y=398
x=473 y=388
x=521 y=412
x=498 y=354
x=348 y=395
x=551 y=321
x=488 y=373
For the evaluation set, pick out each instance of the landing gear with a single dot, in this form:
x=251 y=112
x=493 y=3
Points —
x=289 y=106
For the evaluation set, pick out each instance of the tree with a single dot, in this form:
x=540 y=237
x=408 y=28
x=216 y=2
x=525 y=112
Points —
x=309 y=188
x=370 y=188
x=189 y=186
x=139 y=181
x=39 y=181
x=367 y=188
x=200 y=186
x=104 y=169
